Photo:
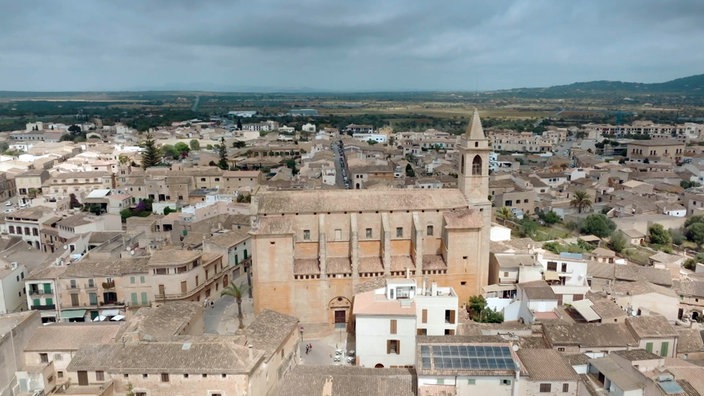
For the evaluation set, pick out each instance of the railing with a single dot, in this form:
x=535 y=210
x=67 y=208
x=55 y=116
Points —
x=44 y=307
x=39 y=292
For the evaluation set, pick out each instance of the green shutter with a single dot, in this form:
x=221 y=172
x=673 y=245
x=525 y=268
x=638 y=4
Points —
x=145 y=300
x=93 y=298
x=49 y=301
x=134 y=298
x=36 y=302
x=47 y=288
x=664 y=349
x=649 y=346
x=141 y=279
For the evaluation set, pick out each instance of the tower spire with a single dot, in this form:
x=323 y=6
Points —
x=474 y=129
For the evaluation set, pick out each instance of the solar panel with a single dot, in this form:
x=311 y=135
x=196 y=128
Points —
x=466 y=357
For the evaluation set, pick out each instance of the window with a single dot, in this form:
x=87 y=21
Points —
x=306 y=235
x=185 y=375
x=164 y=377
x=44 y=358
x=429 y=230
x=132 y=280
x=471 y=381
x=565 y=387
x=392 y=326
x=368 y=232
x=100 y=376
x=505 y=382
x=393 y=346
x=552 y=266
x=399 y=232
x=545 y=388
x=477 y=165
x=59 y=374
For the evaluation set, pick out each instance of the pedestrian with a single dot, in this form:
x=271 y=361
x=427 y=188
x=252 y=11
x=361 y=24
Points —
x=307 y=349
x=212 y=304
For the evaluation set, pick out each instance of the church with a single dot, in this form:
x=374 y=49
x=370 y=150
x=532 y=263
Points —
x=313 y=249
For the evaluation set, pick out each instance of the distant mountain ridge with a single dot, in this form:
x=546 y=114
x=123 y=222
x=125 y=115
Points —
x=688 y=86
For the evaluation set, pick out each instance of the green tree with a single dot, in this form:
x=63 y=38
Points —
x=690 y=264
x=688 y=184
x=222 y=154
x=151 y=156
x=598 y=224
x=549 y=217
x=291 y=164
x=581 y=200
x=528 y=227
x=618 y=241
x=552 y=247
x=658 y=235
x=236 y=292
x=4 y=147
x=693 y=220
x=409 y=171
x=195 y=144
x=244 y=198
x=182 y=149
x=695 y=233
x=504 y=214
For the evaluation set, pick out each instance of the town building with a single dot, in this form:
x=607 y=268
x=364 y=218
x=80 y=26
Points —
x=312 y=248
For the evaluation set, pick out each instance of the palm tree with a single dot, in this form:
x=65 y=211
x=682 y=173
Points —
x=236 y=292
x=504 y=214
x=581 y=200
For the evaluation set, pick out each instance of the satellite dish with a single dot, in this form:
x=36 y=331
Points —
x=65 y=247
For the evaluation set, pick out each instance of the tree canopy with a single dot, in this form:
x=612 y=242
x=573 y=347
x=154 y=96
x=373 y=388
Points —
x=581 y=200
x=151 y=156
x=598 y=224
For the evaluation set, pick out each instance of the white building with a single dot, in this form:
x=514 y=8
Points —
x=308 y=128
x=388 y=319
x=12 y=287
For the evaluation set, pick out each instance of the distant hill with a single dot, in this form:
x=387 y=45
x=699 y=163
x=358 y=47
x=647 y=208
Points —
x=686 y=86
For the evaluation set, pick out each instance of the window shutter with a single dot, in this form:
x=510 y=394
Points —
x=392 y=330
x=425 y=316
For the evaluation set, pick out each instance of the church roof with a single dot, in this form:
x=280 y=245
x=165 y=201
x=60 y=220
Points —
x=359 y=200
x=475 y=130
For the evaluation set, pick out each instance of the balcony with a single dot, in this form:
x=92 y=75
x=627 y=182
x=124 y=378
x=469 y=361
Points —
x=40 y=292
x=44 y=307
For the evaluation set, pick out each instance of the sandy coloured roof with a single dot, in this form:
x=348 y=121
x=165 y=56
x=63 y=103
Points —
x=76 y=220
x=689 y=287
x=32 y=213
x=690 y=340
x=651 y=326
x=207 y=355
x=346 y=381
x=662 y=257
x=270 y=329
x=462 y=219
x=80 y=175
x=358 y=200
x=622 y=374
x=173 y=256
x=514 y=260
x=538 y=290
x=164 y=322
x=71 y=336
x=371 y=303
x=546 y=365
x=229 y=238
x=588 y=334
x=633 y=355
x=88 y=268
x=629 y=272
x=642 y=287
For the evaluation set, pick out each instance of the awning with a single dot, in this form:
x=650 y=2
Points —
x=551 y=275
x=118 y=317
x=109 y=312
x=584 y=307
x=73 y=314
x=99 y=318
x=498 y=287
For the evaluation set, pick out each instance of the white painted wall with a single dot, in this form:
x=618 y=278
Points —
x=372 y=333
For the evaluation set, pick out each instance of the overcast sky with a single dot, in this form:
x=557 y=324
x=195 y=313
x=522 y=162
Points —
x=345 y=45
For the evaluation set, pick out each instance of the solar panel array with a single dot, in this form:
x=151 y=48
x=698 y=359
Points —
x=466 y=357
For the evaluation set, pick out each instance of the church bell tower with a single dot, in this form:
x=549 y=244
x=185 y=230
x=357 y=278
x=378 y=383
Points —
x=473 y=178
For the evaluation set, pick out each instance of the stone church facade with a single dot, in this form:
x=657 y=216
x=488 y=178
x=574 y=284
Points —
x=313 y=249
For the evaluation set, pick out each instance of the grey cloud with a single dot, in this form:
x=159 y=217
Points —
x=364 y=44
